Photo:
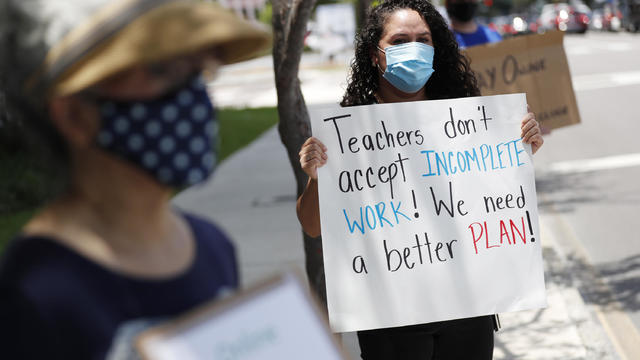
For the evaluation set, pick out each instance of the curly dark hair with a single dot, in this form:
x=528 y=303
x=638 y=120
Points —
x=452 y=76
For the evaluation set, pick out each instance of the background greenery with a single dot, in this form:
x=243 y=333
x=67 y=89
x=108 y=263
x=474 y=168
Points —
x=23 y=188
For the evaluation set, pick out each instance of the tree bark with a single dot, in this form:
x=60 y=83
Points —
x=289 y=30
x=362 y=10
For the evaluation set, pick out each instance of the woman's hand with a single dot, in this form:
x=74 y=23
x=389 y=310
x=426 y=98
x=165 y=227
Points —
x=313 y=154
x=531 y=133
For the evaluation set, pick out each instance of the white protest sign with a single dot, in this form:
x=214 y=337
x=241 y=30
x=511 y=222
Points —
x=428 y=212
x=273 y=321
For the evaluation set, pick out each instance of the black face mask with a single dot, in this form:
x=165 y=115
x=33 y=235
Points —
x=462 y=11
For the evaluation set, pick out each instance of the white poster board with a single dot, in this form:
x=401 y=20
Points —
x=273 y=321
x=428 y=212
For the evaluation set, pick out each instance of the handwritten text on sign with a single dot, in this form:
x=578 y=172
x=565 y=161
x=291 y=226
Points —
x=428 y=212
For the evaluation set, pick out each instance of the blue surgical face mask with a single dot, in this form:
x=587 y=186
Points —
x=409 y=65
x=170 y=138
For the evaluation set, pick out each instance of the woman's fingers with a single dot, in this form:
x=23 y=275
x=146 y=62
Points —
x=313 y=140
x=528 y=123
x=312 y=148
x=531 y=132
x=536 y=142
x=312 y=156
x=312 y=144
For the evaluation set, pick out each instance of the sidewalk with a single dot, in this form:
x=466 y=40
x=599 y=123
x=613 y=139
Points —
x=252 y=197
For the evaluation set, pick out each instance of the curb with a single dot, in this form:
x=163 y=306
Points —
x=595 y=339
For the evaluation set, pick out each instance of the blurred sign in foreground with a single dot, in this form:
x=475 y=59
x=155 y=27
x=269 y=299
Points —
x=273 y=321
x=533 y=64
x=428 y=212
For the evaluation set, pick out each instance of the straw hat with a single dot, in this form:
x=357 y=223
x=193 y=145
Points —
x=111 y=36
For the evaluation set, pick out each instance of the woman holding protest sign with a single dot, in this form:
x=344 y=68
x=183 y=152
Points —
x=406 y=52
x=116 y=91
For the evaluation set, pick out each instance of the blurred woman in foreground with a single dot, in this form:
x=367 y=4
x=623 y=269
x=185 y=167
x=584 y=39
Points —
x=115 y=88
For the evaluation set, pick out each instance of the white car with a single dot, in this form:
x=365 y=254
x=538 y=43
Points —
x=563 y=17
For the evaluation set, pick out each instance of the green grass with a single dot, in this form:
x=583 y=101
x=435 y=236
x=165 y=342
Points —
x=238 y=128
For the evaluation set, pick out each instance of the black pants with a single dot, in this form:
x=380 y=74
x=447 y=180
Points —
x=463 y=339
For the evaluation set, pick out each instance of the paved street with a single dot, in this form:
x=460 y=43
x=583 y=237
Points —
x=588 y=201
x=588 y=182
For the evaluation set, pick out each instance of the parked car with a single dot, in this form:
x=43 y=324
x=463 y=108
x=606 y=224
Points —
x=563 y=17
x=520 y=24
x=631 y=15
x=503 y=25
x=612 y=18
x=597 y=20
x=509 y=25
x=534 y=23
x=581 y=7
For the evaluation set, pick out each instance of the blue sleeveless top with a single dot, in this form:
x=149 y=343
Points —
x=482 y=35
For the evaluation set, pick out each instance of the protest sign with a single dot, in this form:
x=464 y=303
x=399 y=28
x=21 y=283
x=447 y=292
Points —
x=533 y=64
x=275 y=320
x=428 y=212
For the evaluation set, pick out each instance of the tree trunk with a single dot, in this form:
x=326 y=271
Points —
x=289 y=29
x=362 y=10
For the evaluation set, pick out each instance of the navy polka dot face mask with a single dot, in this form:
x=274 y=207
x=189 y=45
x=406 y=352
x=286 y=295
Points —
x=171 y=138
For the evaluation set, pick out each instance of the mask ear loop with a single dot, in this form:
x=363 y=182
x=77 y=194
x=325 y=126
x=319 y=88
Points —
x=377 y=63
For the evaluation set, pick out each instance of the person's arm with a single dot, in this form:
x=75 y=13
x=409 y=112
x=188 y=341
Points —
x=308 y=209
x=312 y=156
